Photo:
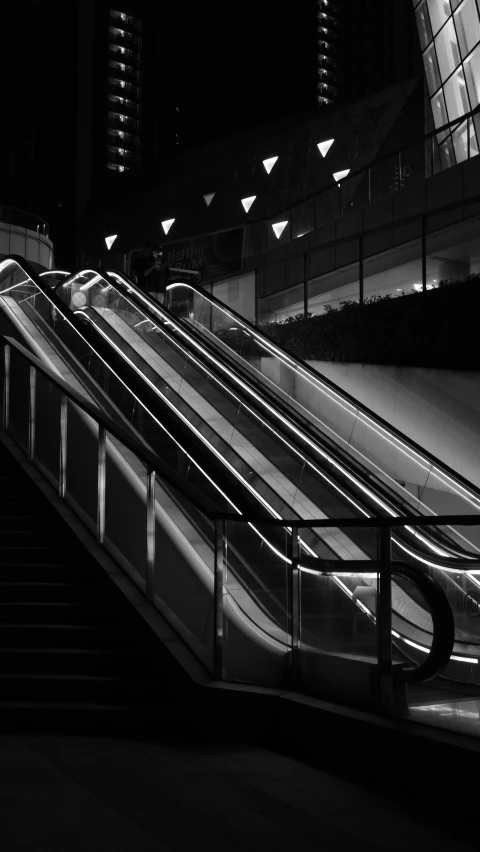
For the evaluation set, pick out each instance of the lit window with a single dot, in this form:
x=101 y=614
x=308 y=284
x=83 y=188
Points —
x=472 y=75
x=439 y=13
x=447 y=50
x=431 y=69
x=423 y=24
x=467 y=26
x=456 y=96
x=439 y=109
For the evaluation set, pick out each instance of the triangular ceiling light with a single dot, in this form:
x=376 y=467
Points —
x=208 y=198
x=324 y=147
x=109 y=241
x=338 y=176
x=247 y=202
x=278 y=228
x=269 y=164
x=167 y=224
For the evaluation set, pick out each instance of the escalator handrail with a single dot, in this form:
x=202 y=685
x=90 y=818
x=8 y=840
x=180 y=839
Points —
x=443 y=625
x=388 y=427
x=149 y=458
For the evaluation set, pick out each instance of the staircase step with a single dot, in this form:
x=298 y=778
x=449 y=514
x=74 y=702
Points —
x=39 y=537
x=57 y=573
x=90 y=689
x=50 y=592
x=26 y=554
x=18 y=521
x=65 y=636
x=58 y=613
x=71 y=661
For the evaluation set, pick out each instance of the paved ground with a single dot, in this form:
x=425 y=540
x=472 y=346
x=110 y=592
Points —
x=82 y=793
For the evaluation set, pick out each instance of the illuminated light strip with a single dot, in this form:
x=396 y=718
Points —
x=359 y=485
x=262 y=402
x=410 y=453
x=397 y=446
x=185 y=420
x=5 y=263
x=91 y=283
x=53 y=272
x=193 y=428
x=369 y=612
x=14 y=286
x=258 y=496
x=313 y=446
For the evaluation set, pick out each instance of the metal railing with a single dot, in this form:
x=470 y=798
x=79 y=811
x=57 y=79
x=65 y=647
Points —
x=443 y=633
x=22 y=219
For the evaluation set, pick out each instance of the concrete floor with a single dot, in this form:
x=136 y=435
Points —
x=84 y=793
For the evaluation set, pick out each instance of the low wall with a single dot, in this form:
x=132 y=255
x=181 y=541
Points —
x=439 y=409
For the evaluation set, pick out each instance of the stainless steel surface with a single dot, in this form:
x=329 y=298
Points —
x=101 y=484
x=384 y=619
x=219 y=599
x=150 y=570
x=294 y=607
x=6 y=387
x=62 y=467
x=31 y=412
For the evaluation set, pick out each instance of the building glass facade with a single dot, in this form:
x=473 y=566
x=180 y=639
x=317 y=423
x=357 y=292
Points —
x=449 y=32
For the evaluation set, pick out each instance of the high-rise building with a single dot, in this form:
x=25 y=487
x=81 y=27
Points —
x=104 y=91
x=363 y=47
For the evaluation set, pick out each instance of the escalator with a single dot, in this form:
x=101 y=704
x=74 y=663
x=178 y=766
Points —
x=293 y=468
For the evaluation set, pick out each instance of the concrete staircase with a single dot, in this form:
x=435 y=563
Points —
x=73 y=650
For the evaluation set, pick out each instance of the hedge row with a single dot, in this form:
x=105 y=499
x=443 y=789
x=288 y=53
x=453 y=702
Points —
x=439 y=328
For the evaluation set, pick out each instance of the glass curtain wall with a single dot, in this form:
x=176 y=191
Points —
x=449 y=32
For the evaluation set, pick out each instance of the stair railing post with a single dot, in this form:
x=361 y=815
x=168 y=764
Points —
x=219 y=599
x=6 y=387
x=31 y=412
x=384 y=620
x=150 y=526
x=101 y=482
x=294 y=609
x=62 y=463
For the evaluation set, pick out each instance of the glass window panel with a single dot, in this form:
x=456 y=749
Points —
x=431 y=69
x=456 y=96
x=472 y=75
x=447 y=50
x=439 y=109
x=446 y=154
x=460 y=142
x=468 y=26
x=423 y=24
x=439 y=13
